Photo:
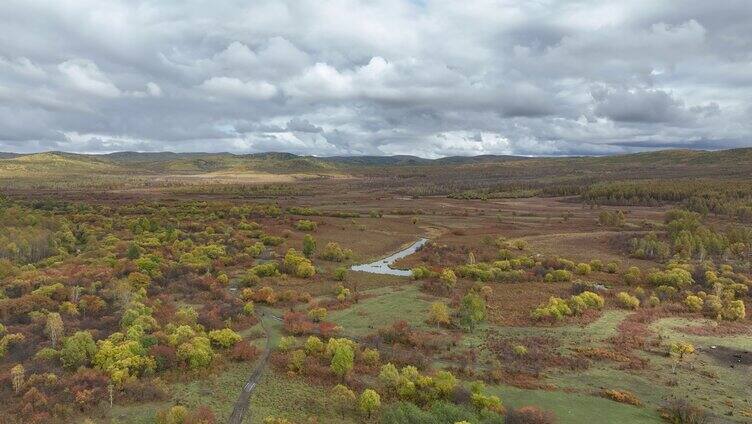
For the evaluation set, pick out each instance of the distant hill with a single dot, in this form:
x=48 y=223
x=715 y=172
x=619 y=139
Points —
x=673 y=163
x=56 y=163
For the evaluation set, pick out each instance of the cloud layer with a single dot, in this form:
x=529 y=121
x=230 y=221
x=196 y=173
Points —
x=347 y=77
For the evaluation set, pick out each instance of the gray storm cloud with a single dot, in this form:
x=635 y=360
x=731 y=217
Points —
x=348 y=77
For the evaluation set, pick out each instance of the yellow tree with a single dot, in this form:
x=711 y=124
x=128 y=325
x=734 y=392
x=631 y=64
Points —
x=679 y=351
x=54 y=327
x=17 y=375
x=439 y=314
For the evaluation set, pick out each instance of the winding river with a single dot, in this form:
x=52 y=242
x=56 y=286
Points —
x=383 y=266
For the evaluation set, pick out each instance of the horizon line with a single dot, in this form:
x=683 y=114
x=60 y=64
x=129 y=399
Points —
x=371 y=155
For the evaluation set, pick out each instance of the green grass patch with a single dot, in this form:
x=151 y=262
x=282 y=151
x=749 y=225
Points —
x=575 y=408
x=288 y=397
x=386 y=306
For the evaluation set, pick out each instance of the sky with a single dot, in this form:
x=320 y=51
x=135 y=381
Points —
x=346 y=77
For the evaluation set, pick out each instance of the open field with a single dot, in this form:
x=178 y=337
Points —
x=150 y=290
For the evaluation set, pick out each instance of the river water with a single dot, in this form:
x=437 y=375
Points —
x=383 y=266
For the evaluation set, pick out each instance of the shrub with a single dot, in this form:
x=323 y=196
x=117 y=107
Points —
x=371 y=357
x=680 y=411
x=448 y=278
x=596 y=265
x=487 y=402
x=633 y=275
x=267 y=269
x=519 y=350
x=340 y=273
x=529 y=415
x=558 y=275
x=197 y=353
x=666 y=292
x=243 y=351
x=592 y=300
x=255 y=249
x=317 y=314
x=734 y=310
x=265 y=295
x=694 y=303
x=675 y=277
x=314 y=345
x=582 y=269
x=224 y=338
x=296 y=360
x=628 y=301
x=298 y=265
x=333 y=252
x=420 y=272
x=556 y=309
x=305 y=225
x=622 y=396
x=177 y=414
x=287 y=343
x=309 y=245
x=268 y=240
x=712 y=306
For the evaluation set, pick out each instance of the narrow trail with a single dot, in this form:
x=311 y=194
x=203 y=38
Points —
x=241 y=405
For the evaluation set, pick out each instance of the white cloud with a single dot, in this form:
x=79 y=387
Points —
x=233 y=87
x=153 y=89
x=85 y=76
x=22 y=66
x=321 y=81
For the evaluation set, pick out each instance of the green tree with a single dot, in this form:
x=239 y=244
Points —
x=389 y=375
x=309 y=245
x=472 y=310
x=369 y=401
x=296 y=361
x=77 y=350
x=133 y=252
x=317 y=314
x=343 y=397
x=445 y=383
x=343 y=359
x=197 y=353
x=314 y=345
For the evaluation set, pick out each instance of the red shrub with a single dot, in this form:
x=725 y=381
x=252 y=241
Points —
x=142 y=391
x=243 y=351
x=202 y=415
x=297 y=323
x=165 y=356
x=328 y=329
x=529 y=415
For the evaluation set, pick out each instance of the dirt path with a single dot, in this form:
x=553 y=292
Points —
x=241 y=405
